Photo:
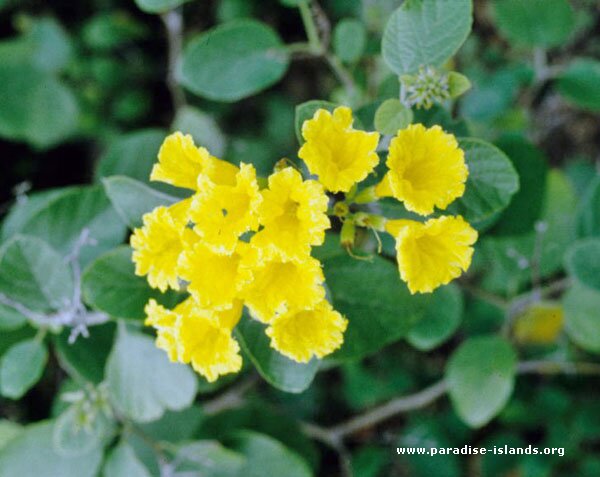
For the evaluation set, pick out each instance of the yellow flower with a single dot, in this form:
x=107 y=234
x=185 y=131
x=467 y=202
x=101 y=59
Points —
x=340 y=155
x=302 y=334
x=190 y=334
x=426 y=169
x=222 y=213
x=293 y=213
x=279 y=283
x=157 y=246
x=164 y=321
x=180 y=163
x=207 y=345
x=215 y=279
x=434 y=253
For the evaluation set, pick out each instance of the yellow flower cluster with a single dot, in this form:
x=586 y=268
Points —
x=426 y=169
x=231 y=244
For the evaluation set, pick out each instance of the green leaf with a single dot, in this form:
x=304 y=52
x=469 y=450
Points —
x=233 y=61
x=36 y=107
x=131 y=155
x=8 y=431
x=61 y=221
x=582 y=261
x=86 y=358
x=457 y=84
x=543 y=23
x=122 y=462
x=480 y=376
x=142 y=382
x=44 y=45
x=306 y=111
x=581 y=305
x=158 y=6
x=392 y=116
x=266 y=456
x=349 y=40
x=578 y=84
x=203 y=128
x=425 y=32
x=525 y=207
x=276 y=369
x=209 y=459
x=22 y=211
x=10 y=319
x=491 y=184
x=132 y=199
x=379 y=307
x=110 y=285
x=588 y=217
x=442 y=318
x=32 y=453
x=32 y=273
x=21 y=367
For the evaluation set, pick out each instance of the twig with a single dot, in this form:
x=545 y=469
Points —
x=318 y=44
x=231 y=398
x=334 y=435
x=477 y=292
x=173 y=21
x=395 y=406
x=334 y=442
x=556 y=367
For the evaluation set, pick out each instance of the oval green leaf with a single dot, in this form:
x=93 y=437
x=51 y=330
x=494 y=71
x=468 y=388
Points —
x=34 y=274
x=425 y=33
x=582 y=320
x=21 y=367
x=392 y=116
x=583 y=262
x=142 y=382
x=491 y=184
x=481 y=376
x=233 y=61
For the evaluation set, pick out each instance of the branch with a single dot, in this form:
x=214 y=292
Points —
x=395 y=406
x=231 y=398
x=173 y=21
x=335 y=435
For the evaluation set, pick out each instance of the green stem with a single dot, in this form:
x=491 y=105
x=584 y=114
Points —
x=310 y=27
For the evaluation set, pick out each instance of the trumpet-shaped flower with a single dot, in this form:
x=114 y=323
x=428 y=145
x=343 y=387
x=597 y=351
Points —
x=222 y=213
x=426 y=169
x=293 y=213
x=340 y=155
x=279 y=283
x=180 y=163
x=191 y=334
x=215 y=279
x=302 y=334
x=208 y=346
x=434 y=253
x=157 y=246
